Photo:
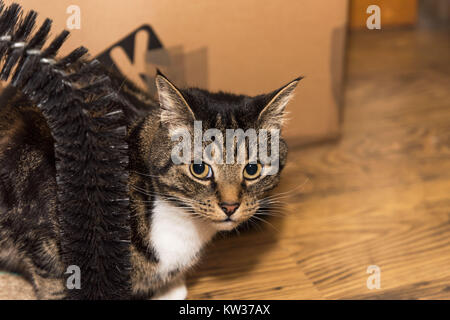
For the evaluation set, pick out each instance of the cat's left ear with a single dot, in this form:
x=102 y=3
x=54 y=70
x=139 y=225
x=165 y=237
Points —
x=175 y=111
x=273 y=114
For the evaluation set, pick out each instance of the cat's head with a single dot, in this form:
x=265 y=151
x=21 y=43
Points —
x=222 y=185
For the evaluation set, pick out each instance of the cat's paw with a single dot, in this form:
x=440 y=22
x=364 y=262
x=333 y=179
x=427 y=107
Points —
x=176 y=291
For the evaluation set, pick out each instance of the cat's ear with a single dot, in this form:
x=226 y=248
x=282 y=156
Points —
x=175 y=111
x=273 y=113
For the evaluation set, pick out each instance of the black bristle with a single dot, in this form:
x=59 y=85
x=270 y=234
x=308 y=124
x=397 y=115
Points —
x=30 y=61
x=87 y=70
x=40 y=36
x=85 y=116
x=54 y=46
x=25 y=27
x=9 y=64
x=9 y=18
x=25 y=70
x=23 y=31
x=98 y=86
x=37 y=80
x=7 y=23
x=72 y=57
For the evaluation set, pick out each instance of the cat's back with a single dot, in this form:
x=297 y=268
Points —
x=23 y=130
x=27 y=164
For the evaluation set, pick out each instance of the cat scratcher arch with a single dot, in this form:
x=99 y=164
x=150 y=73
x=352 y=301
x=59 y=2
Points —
x=85 y=113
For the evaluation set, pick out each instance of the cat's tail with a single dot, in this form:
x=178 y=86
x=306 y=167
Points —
x=85 y=115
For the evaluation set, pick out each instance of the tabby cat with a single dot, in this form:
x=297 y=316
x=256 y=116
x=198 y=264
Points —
x=176 y=209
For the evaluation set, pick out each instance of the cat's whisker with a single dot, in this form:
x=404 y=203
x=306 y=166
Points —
x=264 y=221
x=164 y=196
x=145 y=174
x=286 y=193
x=274 y=200
x=272 y=205
x=269 y=212
x=136 y=188
x=272 y=209
x=253 y=224
x=269 y=215
x=153 y=193
x=168 y=199
x=279 y=197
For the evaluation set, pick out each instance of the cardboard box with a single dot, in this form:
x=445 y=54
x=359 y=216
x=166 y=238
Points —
x=241 y=46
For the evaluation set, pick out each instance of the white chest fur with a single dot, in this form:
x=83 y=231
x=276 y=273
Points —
x=177 y=237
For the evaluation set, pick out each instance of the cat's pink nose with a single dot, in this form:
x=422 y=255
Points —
x=229 y=208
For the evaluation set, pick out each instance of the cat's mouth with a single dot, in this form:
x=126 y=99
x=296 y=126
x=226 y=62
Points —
x=225 y=224
x=225 y=220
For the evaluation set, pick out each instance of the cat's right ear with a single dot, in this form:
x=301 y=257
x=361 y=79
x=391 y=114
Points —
x=175 y=111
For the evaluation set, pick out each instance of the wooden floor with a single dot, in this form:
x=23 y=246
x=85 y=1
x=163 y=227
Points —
x=378 y=196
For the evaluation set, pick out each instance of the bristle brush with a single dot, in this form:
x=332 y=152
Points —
x=84 y=113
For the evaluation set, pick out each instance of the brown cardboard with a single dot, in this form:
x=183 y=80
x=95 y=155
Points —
x=242 y=46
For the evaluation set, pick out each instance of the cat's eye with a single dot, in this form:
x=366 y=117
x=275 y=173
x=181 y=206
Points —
x=201 y=171
x=252 y=171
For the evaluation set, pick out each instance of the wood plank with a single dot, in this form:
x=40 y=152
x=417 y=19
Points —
x=253 y=265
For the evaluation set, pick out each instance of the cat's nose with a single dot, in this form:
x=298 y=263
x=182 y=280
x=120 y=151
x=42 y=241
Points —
x=229 y=208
